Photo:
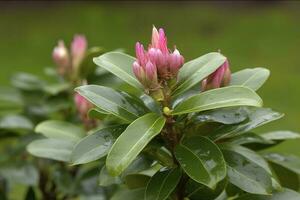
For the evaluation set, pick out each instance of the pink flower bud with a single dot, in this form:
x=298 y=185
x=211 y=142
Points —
x=139 y=72
x=220 y=78
x=155 y=38
x=78 y=49
x=140 y=54
x=175 y=62
x=82 y=105
x=163 y=41
x=61 y=57
x=151 y=73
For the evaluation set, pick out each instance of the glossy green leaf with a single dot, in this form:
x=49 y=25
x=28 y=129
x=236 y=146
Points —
x=232 y=115
x=95 y=145
x=120 y=104
x=60 y=130
x=50 y=148
x=201 y=160
x=247 y=154
x=132 y=141
x=286 y=194
x=198 y=191
x=105 y=179
x=280 y=135
x=15 y=123
x=252 y=78
x=288 y=161
x=196 y=70
x=120 y=65
x=162 y=184
x=257 y=117
x=97 y=113
x=218 y=98
x=135 y=194
x=247 y=175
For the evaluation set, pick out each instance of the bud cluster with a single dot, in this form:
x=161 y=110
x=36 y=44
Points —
x=220 y=78
x=158 y=63
x=66 y=61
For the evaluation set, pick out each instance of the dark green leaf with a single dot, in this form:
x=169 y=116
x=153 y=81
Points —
x=132 y=141
x=120 y=65
x=120 y=104
x=105 y=179
x=196 y=70
x=257 y=117
x=96 y=145
x=288 y=161
x=218 y=98
x=97 y=113
x=87 y=66
x=222 y=115
x=162 y=184
x=247 y=175
x=136 y=180
x=252 y=78
x=135 y=194
x=202 y=160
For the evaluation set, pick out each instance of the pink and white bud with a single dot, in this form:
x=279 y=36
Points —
x=175 y=62
x=220 y=78
x=78 y=49
x=151 y=73
x=155 y=38
x=61 y=57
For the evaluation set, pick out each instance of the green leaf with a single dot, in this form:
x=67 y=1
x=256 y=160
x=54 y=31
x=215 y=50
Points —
x=97 y=113
x=15 y=123
x=247 y=175
x=286 y=194
x=26 y=81
x=288 y=161
x=162 y=184
x=280 y=135
x=120 y=65
x=135 y=194
x=250 y=138
x=50 y=148
x=136 y=180
x=252 y=78
x=196 y=70
x=196 y=155
x=120 y=104
x=95 y=145
x=132 y=141
x=60 y=130
x=10 y=100
x=247 y=154
x=218 y=98
x=105 y=179
x=198 y=191
x=223 y=115
x=257 y=117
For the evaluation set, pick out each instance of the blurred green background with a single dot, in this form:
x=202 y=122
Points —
x=249 y=34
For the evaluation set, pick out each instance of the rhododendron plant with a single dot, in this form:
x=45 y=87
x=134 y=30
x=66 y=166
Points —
x=162 y=129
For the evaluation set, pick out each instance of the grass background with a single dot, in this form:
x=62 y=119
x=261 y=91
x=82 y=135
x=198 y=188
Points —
x=249 y=34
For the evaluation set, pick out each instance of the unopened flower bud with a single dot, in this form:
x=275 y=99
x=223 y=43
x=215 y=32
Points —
x=61 y=58
x=140 y=54
x=155 y=38
x=82 y=105
x=163 y=41
x=220 y=78
x=175 y=62
x=78 y=49
x=151 y=73
x=139 y=72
